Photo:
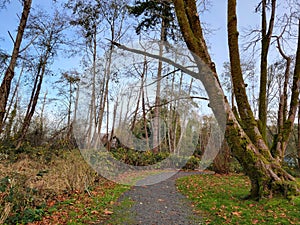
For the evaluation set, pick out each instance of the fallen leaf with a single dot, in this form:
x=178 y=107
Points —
x=238 y=214
x=51 y=203
x=107 y=212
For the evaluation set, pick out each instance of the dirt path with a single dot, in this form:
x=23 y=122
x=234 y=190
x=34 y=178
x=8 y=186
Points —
x=157 y=204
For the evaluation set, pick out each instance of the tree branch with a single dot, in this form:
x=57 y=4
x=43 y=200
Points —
x=163 y=59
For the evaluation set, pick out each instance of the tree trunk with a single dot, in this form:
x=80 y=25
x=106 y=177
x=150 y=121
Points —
x=298 y=146
x=156 y=125
x=104 y=97
x=33 y=100
x=267 y=177
x=14 y=95
x=265 y=43
x=11 y=118
x=69 y=122
x=76 y=103
x=112 y=133
x=221 y=163
x=9 y=73
x=285 y=124
x=247 y=144
x=92 y=118
x=145 y=122
x=41 y=125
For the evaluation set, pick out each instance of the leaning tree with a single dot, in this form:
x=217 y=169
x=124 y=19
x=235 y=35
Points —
x=243 y=132
x=10 y=70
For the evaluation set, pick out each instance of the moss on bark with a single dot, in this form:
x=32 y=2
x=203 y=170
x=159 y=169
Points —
x=248 y=146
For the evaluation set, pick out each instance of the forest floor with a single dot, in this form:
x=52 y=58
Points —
x=66 y=191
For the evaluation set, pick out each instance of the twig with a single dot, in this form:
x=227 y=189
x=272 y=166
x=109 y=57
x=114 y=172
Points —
x=7 y=209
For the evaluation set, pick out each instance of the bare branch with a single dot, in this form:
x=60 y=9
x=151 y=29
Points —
x=176 y=99
x=166 y=60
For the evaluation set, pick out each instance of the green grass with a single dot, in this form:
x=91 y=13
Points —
x=84 y=208
x=219 y=199
x=122 y=214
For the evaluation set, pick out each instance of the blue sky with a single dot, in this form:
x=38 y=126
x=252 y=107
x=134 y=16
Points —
x=215 y=17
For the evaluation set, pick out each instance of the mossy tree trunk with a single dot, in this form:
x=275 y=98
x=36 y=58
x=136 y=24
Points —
x=243 y=135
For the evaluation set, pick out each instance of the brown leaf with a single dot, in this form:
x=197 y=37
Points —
x=51 y=203
x=238 y=214
x=107 y=212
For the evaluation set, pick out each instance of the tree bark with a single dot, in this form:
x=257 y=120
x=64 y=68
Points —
x=221 y=163
x=285 y=124
x=247 y=144
x=298 y=145
x=156 y=125
x=9 y=73
x=267 y=177
x=92 y=119
x=34 y=99
x=14 y=95
x=266 y=33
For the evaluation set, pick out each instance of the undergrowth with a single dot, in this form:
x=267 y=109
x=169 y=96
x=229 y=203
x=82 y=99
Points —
x=28 y=183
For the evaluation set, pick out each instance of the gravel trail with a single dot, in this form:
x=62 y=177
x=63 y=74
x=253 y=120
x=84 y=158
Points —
x=157 y=204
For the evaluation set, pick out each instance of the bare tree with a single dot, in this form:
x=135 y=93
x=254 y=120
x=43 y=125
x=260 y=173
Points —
x=267 y=176
x=50 y=37
x=266 y=34
x=10 y=71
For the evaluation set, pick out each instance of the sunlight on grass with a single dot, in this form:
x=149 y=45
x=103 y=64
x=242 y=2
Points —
x=219 y=199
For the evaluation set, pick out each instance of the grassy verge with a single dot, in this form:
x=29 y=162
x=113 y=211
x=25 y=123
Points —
x=63 y=190
x=219 y=199
x=90 y=207
x=122 y=214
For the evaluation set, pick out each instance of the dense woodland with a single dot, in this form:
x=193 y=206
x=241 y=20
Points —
x=143 y=85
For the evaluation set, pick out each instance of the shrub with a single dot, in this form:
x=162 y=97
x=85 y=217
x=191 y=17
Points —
x=192 y=163
x=27 y=184
x=20 y=203
x=147 y=158
x=138 y=158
